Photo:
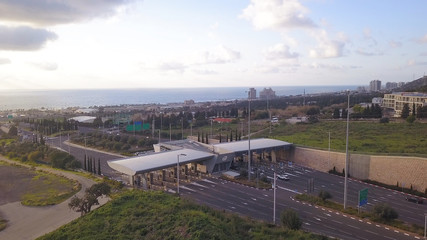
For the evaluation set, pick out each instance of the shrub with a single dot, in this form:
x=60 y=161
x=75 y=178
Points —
x=324 y=195
x=384 y=120
x=290 y=219
x=410 y=119
x=384 y=211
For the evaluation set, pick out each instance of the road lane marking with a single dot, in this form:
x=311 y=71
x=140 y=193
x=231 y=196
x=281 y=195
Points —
x=353 y=218
x=387 y=228
x=245 y=203
x=369 y=223
x=253 y=199
x=353 y=226
x=406 y=234
x=199 y=185
x=377 y=225
x=209 y=181
x=318 y=219
x=327 y=214
x=371 y=232
x=186 y=188
x=396 y=231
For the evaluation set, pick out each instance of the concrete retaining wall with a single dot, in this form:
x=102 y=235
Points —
x=386 y=169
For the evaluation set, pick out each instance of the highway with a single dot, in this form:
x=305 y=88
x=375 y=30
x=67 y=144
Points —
x=248 y=201
x=258 y=204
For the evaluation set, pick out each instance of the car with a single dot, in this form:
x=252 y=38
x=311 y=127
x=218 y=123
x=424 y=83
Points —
x=283 y=177
x=415 y=200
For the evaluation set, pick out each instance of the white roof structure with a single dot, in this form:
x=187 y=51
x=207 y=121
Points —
x=157 y=161
x=84 y=119
x=256 y=144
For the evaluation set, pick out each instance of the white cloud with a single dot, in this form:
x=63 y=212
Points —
x=45 y=66
x=205 y=72
x=220 y=55
x=369 y=53
x=326 y=47
x=24 y=38
x=279 y=51
x=171 y=66
x=5 y=61
x=277 y=14
x=53 y=12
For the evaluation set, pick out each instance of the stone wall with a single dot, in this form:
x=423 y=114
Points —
x=386 y=169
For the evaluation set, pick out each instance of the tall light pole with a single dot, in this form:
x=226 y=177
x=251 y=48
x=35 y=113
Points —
x=274 y=201
x=177 y=171
x=425 y=226
x=249 y=137
x=329 y=151
x=346 y=151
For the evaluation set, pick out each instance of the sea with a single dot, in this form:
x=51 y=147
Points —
x=61 y=99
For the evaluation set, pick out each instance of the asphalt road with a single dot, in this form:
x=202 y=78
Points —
x=258 y=204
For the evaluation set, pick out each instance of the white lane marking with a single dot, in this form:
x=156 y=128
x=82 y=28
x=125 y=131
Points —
x=209 y=181
x=232 y=207
x=253 y=198
x=245 y=203
x=377 y=225
x=318 y=219
x=307 y=223
x=344 y=215
x=353 y=226
x=186 y=188
x=327 y=214
x=396 y=231
x=353 y=218
x=406 y=234
x=287 y=189
x=199 y=185
x=387 y=228
x=265 y=195
x=417 y=237
x=369 y=223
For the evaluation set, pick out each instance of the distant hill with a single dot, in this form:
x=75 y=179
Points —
x=419 y=85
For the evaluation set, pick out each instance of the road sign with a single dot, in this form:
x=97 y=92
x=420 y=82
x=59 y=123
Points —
x=363 y=197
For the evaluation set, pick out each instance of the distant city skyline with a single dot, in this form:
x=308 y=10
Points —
x=77 y=44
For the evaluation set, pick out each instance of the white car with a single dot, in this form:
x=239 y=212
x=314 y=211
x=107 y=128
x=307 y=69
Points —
x=283 y=177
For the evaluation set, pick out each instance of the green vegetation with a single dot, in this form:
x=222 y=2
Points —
x=364 y=137
x=3 y=224
x=38 y=153
x=49 y=189
x=156 y=215
x=381 y=214
x=290 y=219
x=84 y=204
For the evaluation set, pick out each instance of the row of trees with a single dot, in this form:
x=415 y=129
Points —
x=89 y=165
x=418 y=112
x=39 y=153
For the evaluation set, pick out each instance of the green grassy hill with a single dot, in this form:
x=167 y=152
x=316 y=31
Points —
x=392 y=138
x=156 y=215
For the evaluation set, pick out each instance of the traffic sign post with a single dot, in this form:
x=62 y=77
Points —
x=363 y=198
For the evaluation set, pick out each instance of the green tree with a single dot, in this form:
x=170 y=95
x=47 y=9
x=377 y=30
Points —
x=405 y=111
x=413 y=109
x=13 y=131
x=84 y=204
x=290 y=219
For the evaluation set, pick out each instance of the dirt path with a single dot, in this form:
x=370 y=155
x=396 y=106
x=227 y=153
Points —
x=31 y=222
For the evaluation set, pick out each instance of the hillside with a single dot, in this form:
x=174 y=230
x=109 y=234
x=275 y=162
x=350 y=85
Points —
x=419 y=85
x=157 y=215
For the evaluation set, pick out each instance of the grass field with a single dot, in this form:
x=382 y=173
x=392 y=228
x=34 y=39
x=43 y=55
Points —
x=364 y=137
x=157 y=215
x=34 y=188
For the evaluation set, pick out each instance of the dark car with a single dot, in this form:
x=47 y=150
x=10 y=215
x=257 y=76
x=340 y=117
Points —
x=415 y=200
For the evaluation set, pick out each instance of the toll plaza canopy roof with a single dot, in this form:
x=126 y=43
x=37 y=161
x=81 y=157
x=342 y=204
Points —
x=256 y=144
x=157 y=161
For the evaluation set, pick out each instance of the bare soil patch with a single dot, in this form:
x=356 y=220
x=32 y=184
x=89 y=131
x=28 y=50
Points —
x=15 y=181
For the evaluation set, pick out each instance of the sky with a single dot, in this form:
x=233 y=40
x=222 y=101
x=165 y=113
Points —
x=80 y=44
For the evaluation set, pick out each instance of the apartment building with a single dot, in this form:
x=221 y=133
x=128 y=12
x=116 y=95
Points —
x=397 y=100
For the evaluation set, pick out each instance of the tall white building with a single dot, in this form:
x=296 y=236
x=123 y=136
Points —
x=252 y=93
x=375 y=86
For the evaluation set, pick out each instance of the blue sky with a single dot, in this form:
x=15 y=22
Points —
x=53 y=44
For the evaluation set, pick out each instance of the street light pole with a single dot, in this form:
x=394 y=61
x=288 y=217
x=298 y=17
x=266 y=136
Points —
x=425 y=226
x=177 y=171
x=274 y=201
x=329 y=151
x=249 y=138
x=346 y=152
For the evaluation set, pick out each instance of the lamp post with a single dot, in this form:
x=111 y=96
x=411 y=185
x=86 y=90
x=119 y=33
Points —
x=249 y=137
x=177 y=171
x=274 y=201
x=425 y=226
x=346 y=151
